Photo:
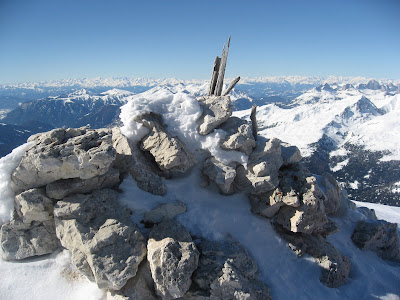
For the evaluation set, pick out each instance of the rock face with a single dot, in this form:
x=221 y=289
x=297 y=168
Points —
x=335 y=268
x=228 y=272
x=216 y=110
x=106 y=245
x=63 y=154
x=223 y=175
x=173 y=258
x=169 y=152
x=239 y=135
x=378 y=236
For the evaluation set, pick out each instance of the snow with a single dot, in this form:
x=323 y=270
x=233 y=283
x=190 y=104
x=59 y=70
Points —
x=7 y=165
x=384 y=212
x=340 y=165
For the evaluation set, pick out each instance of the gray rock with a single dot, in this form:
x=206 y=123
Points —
x=261 y=174
x=290 y=154
x=214 y=255
x=140 y=287
x=379 y=236
x=216 y=110
x=239 y=135
x=310 y=215
x=65 y=187
x=164 y=212
x=62 y=154
x=333 y=193
x=369 y=213
x=335 y=267
x=106 y=245
x=232 y=284
x=130 y=159
x=32 y=232
x=169 y=152
x=223 y=175
x=173 y=258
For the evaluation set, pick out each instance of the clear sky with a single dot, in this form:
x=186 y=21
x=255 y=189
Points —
x=61 y=39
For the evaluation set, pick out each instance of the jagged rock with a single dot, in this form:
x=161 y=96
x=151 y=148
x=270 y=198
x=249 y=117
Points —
x=130 y=159
x=310 y=215
x=216 y=110
x=290 y=154
x=232 y=284
x=379 y=236
x=367 y=212
x=169 y=152
x=335 y=266
x=239 y=135
x=214 y=255
x=65 y=187
x=164 y=212
x=261 y=174
x=173 y=257
x=32 y=233
x=140 y=287
x=106 y=245
x=223 y=175
x=62 y=154
x=333 y=194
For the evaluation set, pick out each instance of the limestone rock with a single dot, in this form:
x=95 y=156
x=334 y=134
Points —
x=32 y=232
x=173 y=257
x=169 y=152
x=290 y=154
x=310 y=215
x=239 y=135
x=232 y=284
x=130 y=159
x=223 y=175
x=65 y=187
x=164 y=212
x=261 y=174
x=333 y=193
x=106 y=245
x=335 y=267
x=140 y=287
x=214 y=255
x=379 y=236
x=216 y=110
x=62 y=154
x=369 y=213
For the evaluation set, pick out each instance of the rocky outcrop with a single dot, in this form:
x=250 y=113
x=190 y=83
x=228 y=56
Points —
x=290 y=154
x=223 y=175
x=106 y=245
x=63 y=154
x=169 y=152
x=379 y=236
x=32 y=232
x=173 y=258
x=333 y=192
x=164 y=212
x=216 y=110
x=239 y=135
x=335 y=268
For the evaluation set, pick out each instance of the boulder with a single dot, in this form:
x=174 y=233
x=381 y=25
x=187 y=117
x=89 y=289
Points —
x=369 y=213
x=264 y=163
x=239 y=135
x=62 y=154
x=173 y=258
x=333 y=193
x=130 y=159
x=216 y=110
x=106 y=245
x=140 y=287
x=169 y=152
x=379 y=236
x=65 y=187
x=164 y=212
x=290 y=154
x=335 y=267
x=32 y=232
x=223 y=175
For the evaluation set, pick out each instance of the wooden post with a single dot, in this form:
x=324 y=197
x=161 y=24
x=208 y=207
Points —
x=214 y=76
x=253 y=119
x=221 y=73
x=231 y=86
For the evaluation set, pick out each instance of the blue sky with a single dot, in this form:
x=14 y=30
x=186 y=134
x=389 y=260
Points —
x=59 y=39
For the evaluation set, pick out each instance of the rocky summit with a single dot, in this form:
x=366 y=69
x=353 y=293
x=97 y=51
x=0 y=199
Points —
x=67 y=189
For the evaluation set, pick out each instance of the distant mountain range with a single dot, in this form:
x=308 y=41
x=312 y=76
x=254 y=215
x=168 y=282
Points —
x=347 y=126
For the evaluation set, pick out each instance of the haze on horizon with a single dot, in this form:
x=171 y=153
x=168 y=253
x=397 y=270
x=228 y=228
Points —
x=50 y=40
